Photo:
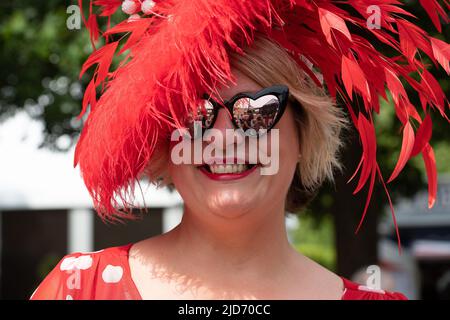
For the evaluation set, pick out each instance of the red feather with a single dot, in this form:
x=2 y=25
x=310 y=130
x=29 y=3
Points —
x=430 y=167
x=329 y=21
x=136 y=28
x=394 y=85
x=386 y=10
x=441 y=51
x=423 y=136
x=89 y=98
x=369 y=197
x=103 y=58
x=353 y=76
x=391 y=206
x=433 y=91
x=411 y=39
x=109 y=7
x=411 y=110
x=434 y=10
x=405 y=153
x=368 y=140
x=401 y=112
x=92 y=26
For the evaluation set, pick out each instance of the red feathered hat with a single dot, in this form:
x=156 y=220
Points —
x=172 y=50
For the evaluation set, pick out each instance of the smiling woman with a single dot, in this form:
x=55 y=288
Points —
x=239 y=66
x=316 y=122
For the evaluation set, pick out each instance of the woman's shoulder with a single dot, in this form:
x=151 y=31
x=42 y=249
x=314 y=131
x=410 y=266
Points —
x=102 y=274
x=355 y=291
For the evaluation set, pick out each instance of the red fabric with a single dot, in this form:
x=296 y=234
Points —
x=105 y=275
x=354 y=291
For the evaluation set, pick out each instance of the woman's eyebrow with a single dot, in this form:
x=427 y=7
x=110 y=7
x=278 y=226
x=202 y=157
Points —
x=248 y=90
x=245 y=90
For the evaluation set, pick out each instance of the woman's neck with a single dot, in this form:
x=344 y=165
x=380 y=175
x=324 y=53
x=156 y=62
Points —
x=245 y=257
x=252 y=245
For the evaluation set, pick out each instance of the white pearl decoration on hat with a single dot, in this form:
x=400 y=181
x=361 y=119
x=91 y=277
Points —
x=147 y=6
x=129 y=6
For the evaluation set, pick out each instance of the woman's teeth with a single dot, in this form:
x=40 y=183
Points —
x=228 y=168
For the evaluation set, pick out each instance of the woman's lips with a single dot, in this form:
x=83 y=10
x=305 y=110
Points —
x=227 y=176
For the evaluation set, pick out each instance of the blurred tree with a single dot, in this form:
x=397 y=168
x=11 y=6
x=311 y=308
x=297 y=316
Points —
x=40 y=62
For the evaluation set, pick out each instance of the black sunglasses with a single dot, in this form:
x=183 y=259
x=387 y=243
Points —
x=255 y=111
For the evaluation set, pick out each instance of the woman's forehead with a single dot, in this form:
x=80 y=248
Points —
x=243 y=84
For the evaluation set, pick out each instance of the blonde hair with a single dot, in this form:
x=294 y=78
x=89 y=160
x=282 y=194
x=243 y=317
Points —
x=319 y=121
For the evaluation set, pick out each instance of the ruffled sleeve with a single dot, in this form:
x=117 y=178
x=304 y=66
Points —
x=100 y=275
x=66 y=279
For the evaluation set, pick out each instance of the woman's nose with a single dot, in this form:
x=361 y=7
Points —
x=223 y=124
x=223 y=120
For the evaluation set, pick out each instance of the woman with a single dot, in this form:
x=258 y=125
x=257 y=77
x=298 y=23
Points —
x=231 y=242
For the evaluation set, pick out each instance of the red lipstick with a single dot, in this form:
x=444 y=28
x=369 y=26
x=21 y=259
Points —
x=227 y=176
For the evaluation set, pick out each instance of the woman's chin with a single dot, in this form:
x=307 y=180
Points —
x=230 y=205
x=227 y=213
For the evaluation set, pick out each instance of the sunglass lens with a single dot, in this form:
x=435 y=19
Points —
x=204 y=117
x=256 y=114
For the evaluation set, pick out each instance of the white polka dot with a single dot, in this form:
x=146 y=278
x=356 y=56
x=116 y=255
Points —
x=112 y=274
x=69 y=297
x=81 y=263
x=68 y=263
x=84 y=262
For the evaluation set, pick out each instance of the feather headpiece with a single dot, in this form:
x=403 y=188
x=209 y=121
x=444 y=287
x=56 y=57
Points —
x=170 y=50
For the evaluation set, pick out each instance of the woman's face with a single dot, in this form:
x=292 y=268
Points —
x=212 y=195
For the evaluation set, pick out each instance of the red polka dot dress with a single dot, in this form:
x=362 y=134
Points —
x=105 y=275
